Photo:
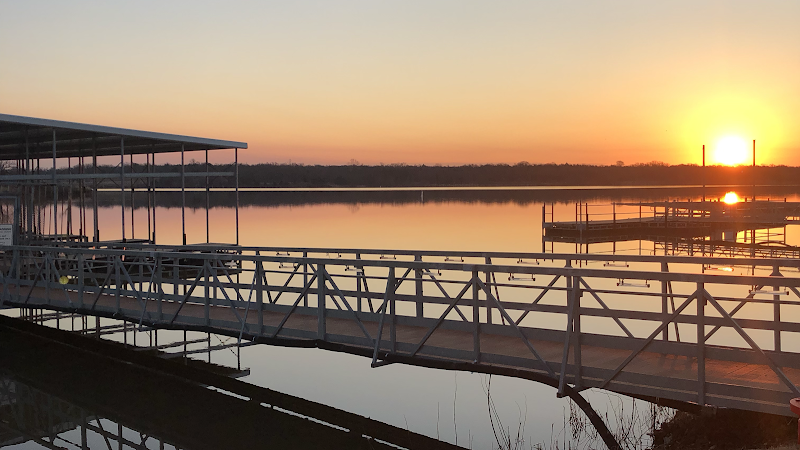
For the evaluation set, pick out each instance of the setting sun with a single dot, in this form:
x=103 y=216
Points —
x=731 y=198
x=731 y=150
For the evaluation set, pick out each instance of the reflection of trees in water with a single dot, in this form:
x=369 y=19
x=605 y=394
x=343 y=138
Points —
x=522 y=174
x=197 y=200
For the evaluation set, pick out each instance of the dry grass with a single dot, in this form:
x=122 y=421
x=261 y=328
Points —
x=727 y=430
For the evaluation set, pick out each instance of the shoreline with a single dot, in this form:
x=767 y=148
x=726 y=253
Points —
x=726 y=430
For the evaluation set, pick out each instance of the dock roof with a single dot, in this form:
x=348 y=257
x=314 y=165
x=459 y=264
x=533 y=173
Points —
x=78 y=139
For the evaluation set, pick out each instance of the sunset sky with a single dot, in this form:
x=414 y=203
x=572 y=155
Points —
x=448 y=82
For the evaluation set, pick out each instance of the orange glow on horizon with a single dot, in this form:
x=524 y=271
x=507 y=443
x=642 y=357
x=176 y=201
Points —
x=418 y=83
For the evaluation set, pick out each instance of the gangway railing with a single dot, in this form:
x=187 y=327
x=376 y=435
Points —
x=649 y=326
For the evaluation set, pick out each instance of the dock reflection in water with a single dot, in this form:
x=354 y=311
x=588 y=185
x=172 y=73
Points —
x=56 y=396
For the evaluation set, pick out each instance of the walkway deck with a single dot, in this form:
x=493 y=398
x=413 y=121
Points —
x=577 y=329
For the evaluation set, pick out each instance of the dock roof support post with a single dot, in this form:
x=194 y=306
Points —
x=29 y=215
x=133 y=204
x=183 y=195
x=82 y=199
x=149 y=194
x=236 y=170
x=96 y=236
x=155 y=186
x=68 y=228
x=122 y=181
x=55 y=189
x=208 y=234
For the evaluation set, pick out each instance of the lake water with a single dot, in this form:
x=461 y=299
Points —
x=448 y=405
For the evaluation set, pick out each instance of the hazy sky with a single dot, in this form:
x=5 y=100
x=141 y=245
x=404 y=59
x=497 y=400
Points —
x=446 y=82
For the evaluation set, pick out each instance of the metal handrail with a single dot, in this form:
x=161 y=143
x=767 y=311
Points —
x=253 y=292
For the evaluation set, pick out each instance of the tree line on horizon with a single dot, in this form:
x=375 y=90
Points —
x=271 y=175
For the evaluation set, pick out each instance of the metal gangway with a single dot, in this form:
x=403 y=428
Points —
x=653 y=327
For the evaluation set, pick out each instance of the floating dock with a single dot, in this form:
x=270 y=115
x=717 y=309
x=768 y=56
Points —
x=655 y=220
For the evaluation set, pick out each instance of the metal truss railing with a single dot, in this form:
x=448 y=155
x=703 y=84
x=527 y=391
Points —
x=617 y=322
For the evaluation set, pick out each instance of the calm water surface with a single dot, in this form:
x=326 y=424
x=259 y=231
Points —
x=450 y=405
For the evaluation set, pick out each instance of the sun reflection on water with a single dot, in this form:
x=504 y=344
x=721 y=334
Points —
x=731 y=198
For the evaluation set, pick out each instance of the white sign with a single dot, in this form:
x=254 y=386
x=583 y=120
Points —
x=6 y=234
